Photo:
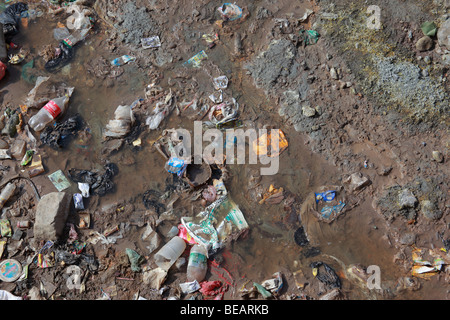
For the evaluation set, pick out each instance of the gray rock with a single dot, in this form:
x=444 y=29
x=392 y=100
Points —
x=308 y=111
x=357 y=181
x=51 y=215
x=443 y=34
x=429 y=210
x=424 y=44
x=334 y=74
x=406 y=199
x=437 y=156
x=408 y=239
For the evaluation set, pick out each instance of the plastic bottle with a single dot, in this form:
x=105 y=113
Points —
x=6 y=193
x=196 y=268
x=75 y=37
x=49 y=112
x=170 y=252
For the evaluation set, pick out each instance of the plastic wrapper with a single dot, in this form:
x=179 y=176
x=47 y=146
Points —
x=59 y=180
x=157 y=116
x=189 y=287
x=84 y=188
x=230 y=11
x=151 y=42
x=78 y=201
x=197 y=59
x=6 y=295
x=220 y=221
x=121 y=125
x=5 y=228
x=135 y=259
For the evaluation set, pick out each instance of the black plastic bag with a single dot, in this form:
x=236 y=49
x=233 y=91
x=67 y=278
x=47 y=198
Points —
x=64 y=56
x=10 y=19
x=99 y=184
x=58 y=136
x=326 y=275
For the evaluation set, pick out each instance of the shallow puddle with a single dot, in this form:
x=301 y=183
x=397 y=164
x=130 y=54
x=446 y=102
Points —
x=355 y=238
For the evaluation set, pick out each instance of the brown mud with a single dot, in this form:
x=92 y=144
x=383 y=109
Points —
x=273 y=75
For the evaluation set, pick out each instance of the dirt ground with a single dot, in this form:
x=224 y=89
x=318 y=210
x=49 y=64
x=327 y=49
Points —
x=360 y=103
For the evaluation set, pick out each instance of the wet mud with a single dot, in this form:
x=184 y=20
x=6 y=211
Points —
x=358 y=113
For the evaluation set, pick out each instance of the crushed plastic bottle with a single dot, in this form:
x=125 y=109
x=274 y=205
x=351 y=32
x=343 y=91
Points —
x=49 y=112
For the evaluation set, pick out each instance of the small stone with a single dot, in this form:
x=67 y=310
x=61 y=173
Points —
x=427 y=59
x=425 y=73
x=308 y=111
x=429 y=210
x=333 y=74
x=408 y=239
x=437 y=156
x=443 y=34
x=406 y=199
x=424 y=44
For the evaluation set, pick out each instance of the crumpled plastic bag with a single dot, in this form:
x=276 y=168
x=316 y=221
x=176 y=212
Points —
x=122 y=123
x=78 y=20
x=135 y=259
x=157 y=116
x=99 y=184
x=57 y=136
x=230 y=11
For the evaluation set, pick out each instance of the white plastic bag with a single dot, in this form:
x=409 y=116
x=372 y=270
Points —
x=77 y=20
x=6 y=295
x=158 y=115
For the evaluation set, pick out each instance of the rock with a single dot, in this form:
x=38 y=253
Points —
x=18 y=149
x=429 y=210
x=437 y=156
x=443 y=34
x=51 y=215
x=408 y=239
x=406 y=199
x=424 y=44
x=154 y=278
x=3 y=144
x=357 y=181
x=308 y=111
x=333 y=74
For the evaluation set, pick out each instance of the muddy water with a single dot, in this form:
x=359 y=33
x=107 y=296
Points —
x=356 y=238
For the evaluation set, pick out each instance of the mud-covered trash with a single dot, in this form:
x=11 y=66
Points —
x=63 y=54
x=224 y=113
x=325 y=274
x=197 y=174
x=230 y=11
x=176 y=166
x=154 y=278
x=220 y=222
x=10 y=19
x=5 y=228
x=135 y=259
x=427 y=263
x=274 y=285
x=152 y=200
x=215 y=289
x=309 y=36
x=300 y=237
x=120 y=61
x=266 y=294
x=151 y=42
x=271 y=144
x=273 y=195
x=99 y=183
x=121 y=125
x=357 y=181
x=189 y=287
x=59 y=180
x=6 y=295
x=196 y=60
x=158 y=114
x=59 y=135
